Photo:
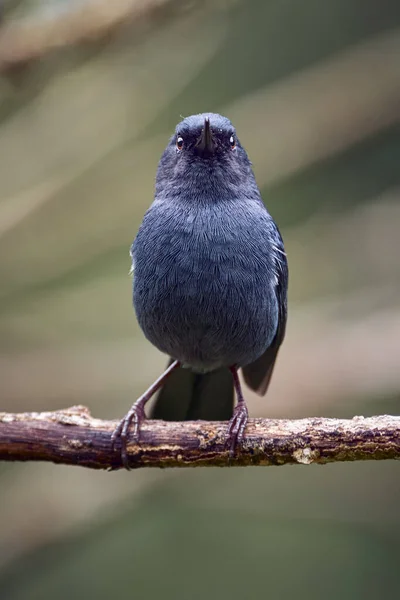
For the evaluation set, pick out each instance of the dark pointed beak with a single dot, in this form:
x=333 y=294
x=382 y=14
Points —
x=205 y=144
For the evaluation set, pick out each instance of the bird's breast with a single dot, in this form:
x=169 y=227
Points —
x=204 y=284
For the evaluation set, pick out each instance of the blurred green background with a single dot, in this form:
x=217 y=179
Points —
x=89 y=93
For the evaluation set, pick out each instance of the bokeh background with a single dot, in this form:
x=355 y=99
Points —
x=90 y=91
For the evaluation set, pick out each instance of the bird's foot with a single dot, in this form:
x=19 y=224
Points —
x=134 y=417
x=237 y=426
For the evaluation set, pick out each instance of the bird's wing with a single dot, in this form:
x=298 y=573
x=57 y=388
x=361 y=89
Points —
x=258 y=374
x=131 y=254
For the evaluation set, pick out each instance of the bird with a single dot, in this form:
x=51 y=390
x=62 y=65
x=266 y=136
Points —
x=210 y=281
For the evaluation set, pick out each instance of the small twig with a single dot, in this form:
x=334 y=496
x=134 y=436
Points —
x=74 y=437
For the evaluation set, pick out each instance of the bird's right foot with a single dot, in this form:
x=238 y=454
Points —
x=134 y=417
x=237 y=426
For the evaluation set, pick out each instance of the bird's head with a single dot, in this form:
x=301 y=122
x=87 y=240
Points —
x=204 y=156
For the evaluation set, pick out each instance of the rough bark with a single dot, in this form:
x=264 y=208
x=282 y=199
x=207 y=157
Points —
x=74 y=437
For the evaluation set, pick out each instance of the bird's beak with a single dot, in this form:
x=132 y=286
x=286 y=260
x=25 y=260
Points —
x=205 y=144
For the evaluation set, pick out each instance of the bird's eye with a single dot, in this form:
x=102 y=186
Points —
x=232 y=142
x=179 y=142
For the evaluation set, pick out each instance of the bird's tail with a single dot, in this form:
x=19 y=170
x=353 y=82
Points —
x=189 y=396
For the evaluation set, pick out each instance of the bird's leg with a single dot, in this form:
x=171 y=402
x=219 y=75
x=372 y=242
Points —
x=238 y=422
x=136 y=416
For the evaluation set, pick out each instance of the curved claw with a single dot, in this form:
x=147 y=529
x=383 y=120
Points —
x=135 y=416
x=237 y=426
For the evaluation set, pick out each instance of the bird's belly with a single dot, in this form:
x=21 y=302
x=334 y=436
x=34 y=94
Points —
x=206 y=309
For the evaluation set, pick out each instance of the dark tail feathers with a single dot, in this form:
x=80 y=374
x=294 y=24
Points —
x=188 y=396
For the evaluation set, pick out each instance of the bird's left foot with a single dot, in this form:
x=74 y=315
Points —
x=134 y=417
x=237 y=426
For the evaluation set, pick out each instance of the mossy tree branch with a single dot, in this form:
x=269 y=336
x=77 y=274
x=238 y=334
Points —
x=74 y=437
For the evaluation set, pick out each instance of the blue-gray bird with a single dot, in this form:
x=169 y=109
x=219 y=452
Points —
x=210 y=280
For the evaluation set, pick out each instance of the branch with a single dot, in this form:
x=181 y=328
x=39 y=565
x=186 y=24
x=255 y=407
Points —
x=74 y=437
x=25 y=40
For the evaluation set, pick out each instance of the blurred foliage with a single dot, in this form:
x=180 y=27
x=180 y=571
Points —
x=314 y=90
